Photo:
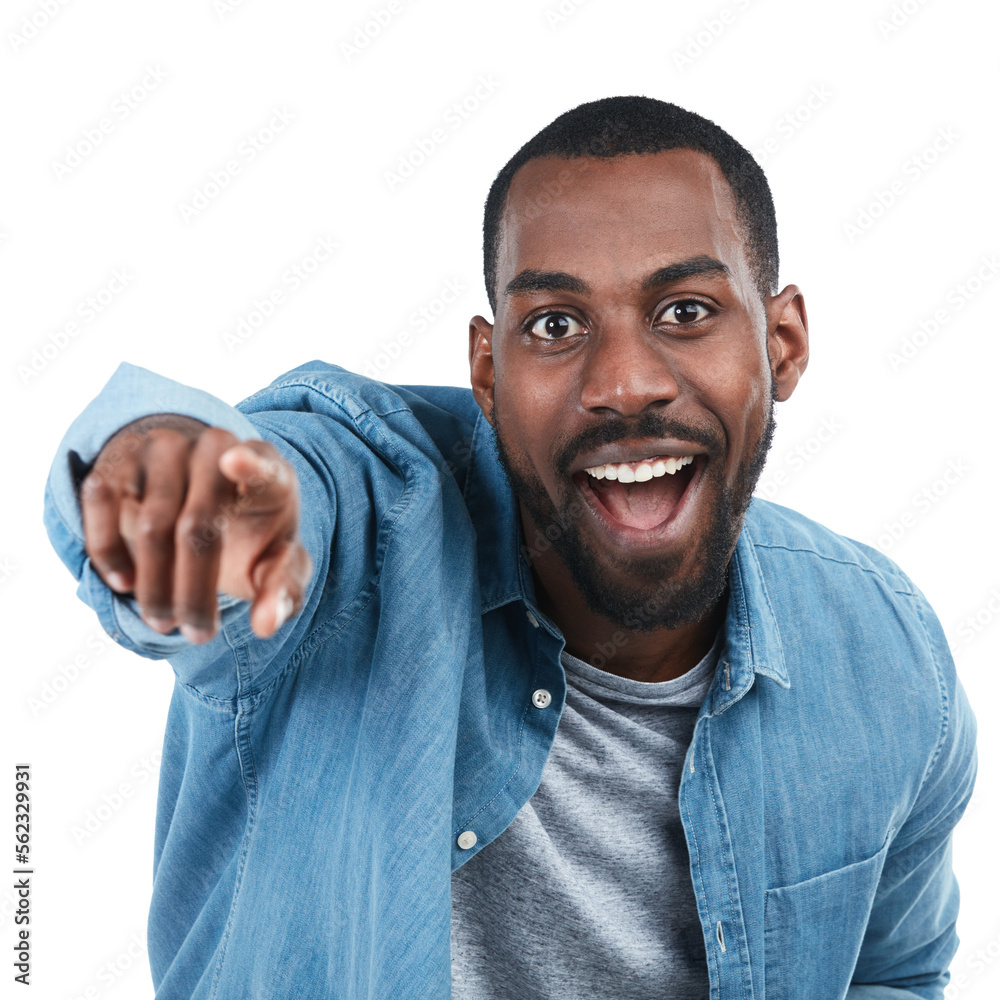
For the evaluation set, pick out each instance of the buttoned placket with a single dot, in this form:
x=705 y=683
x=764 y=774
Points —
x=541 y=699
x=728 y=727
x=713 y=868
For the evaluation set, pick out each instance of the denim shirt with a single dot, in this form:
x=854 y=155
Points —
x=318 y=788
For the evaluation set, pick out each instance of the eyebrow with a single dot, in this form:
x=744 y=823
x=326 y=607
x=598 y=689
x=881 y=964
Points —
x=702 y=264
x=531 y=280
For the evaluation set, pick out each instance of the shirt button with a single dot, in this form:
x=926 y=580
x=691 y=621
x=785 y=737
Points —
x=467 y=840
x=541 y=698
x=531 y=618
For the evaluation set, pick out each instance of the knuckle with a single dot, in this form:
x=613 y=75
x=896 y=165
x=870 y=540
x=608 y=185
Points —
x=167 y=439
x=199 y=530
x=218 y=437
x=95 y=488
x=192 y=523
x=132 y=441
x=153 y=528
x=162 y=494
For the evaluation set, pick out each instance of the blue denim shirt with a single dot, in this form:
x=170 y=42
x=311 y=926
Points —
x=314 y=786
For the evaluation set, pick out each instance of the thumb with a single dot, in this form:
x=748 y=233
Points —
x=280 y=580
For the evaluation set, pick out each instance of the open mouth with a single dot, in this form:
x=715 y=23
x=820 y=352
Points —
x=642 y=495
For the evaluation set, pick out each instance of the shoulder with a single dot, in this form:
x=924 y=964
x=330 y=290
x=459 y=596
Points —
x=845 y=603
x=358 y=393
x=784 y=536
x=849 y=606
x=435 y=420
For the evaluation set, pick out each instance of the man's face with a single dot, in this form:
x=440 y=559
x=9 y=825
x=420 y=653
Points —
x=629 y=327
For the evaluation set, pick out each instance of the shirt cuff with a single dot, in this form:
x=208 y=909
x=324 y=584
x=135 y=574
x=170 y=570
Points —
x=131 y=392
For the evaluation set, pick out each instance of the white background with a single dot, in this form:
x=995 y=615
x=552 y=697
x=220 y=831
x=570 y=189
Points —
x=862 y=437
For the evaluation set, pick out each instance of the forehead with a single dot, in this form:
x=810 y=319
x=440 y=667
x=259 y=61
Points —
x=624 y=214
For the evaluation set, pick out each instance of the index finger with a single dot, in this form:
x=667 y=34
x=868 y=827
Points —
x=200 y=529
x=262 y=478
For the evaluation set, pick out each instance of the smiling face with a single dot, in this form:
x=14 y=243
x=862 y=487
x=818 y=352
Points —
x=630 y=375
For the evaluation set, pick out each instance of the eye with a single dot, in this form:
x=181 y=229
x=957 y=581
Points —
x=555 y=326
x=685 y=312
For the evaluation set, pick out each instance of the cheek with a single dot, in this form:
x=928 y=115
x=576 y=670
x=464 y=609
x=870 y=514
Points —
x=520 y=418
x=739 y=395
x=535 y=402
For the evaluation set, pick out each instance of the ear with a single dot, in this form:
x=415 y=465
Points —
x=481 y=363
x=787 y=339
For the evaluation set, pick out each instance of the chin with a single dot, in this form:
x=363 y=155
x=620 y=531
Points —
x=651 y=593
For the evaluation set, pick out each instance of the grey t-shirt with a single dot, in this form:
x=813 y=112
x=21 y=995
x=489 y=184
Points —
x=588 y=892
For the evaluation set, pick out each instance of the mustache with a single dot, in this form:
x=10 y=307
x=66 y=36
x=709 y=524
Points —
x=649 y=425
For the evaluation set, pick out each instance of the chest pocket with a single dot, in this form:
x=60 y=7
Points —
x=813 y=931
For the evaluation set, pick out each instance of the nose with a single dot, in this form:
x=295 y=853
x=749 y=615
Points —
x=626 y=371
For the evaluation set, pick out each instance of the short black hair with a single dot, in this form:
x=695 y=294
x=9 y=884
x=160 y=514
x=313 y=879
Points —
x=615 y=126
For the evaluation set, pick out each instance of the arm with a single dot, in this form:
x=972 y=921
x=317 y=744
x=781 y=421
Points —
x=911 y=939
x=352 y=444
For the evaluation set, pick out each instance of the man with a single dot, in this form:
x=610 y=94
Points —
x=515 y=689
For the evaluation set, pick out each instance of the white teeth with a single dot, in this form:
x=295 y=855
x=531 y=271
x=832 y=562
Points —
x=639 y=472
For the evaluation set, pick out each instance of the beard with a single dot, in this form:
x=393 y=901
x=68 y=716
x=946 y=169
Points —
x=657 y=594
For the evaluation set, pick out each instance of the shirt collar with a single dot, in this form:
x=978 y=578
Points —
x=752 y=641
x=504 y=575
